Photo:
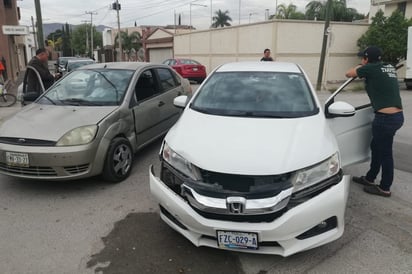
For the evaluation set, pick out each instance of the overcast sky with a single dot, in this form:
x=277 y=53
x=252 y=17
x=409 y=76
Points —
x=159 y=12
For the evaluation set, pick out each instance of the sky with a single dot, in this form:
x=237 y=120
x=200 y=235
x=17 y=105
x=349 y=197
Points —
x=159 y=12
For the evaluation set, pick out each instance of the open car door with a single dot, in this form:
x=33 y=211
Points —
x=350 y=115
x=29 y=96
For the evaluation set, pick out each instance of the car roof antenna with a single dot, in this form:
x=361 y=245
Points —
x=105 y=66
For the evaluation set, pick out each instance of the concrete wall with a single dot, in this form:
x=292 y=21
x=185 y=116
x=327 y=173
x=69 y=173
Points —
x=289 y=40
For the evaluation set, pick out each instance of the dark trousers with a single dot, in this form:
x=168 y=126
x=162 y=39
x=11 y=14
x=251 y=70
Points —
x=384 y=127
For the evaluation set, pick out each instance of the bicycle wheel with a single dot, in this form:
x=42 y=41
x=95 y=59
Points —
x=7 y=100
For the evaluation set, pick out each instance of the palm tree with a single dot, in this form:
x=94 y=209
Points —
x=221 y=19
x=131 y=43
x=287 y=12
x=339 y=11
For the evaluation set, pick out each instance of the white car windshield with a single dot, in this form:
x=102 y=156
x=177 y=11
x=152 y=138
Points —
x=256 y=94
x=105 y=87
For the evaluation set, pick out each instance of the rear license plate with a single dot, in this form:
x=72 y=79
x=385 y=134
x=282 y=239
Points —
x=17 y=159
x=237 y=240
x=195 y=69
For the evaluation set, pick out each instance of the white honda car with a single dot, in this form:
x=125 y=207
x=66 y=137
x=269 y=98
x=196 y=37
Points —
x=255 y=162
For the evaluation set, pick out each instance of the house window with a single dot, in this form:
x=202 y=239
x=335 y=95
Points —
x=402 y=7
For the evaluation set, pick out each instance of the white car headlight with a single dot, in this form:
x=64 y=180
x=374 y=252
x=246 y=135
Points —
x=78 y=136
x=317 y=173
x=180 y=163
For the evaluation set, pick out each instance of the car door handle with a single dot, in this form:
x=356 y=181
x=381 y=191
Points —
x=161 y=103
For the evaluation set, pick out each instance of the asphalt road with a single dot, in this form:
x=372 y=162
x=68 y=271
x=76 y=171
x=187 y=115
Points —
x=90 y=226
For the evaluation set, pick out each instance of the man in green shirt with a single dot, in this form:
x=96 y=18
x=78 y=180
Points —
x=383 y=90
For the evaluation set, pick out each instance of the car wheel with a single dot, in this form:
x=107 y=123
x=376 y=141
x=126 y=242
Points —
x=119 y=160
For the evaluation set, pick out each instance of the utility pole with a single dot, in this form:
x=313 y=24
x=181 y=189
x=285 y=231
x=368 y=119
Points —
x=324 y=44
x=239 y=11
x=91 y=31
x=119 y=36
x=211 y=14
x=39 y=24
x=34 y=32
x=87 y=36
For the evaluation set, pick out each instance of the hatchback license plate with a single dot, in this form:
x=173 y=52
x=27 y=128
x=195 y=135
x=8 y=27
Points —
x=237 y=240
x=195 y=69
x=17 y=159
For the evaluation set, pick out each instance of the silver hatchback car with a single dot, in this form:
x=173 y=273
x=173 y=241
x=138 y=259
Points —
x=91 y=122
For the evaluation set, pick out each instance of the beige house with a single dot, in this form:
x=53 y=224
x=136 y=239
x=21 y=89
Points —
x=389 y=6
x=11 y=39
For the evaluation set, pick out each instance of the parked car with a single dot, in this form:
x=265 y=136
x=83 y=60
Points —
x=254 y=164
x=91 y=122
x=61 y=63
x=188 y=68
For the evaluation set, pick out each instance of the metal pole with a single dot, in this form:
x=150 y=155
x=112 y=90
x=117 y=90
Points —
x=34 y=32
x=91 y=31
x=87 y=36
x=239 y=12
x=119 y=36
x=324 y=43
x=211 y=14
x=39 y=24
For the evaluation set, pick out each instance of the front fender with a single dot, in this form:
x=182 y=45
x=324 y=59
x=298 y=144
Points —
x=113 y=126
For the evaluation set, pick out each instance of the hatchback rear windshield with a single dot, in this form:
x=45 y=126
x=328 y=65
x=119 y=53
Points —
x=256 y=94
x=189 y=62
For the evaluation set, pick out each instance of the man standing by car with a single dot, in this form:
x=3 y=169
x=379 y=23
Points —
x=266 y=55
x=39 y=62
x=383 y=91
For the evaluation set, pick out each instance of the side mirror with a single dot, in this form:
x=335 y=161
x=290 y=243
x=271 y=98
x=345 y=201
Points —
x=340 y=109
x=180 y=101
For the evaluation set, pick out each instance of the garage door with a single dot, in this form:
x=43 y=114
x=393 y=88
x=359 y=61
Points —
x=159 y=55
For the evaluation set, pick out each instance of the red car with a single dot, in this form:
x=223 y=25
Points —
x=188 y=68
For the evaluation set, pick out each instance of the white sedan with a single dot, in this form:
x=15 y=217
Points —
x=254 y=164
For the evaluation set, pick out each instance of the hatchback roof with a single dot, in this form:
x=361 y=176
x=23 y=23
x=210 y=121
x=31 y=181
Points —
x=260 y=66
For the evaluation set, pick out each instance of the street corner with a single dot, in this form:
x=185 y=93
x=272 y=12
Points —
x=141 y=241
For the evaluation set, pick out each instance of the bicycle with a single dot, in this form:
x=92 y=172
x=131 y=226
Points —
x=6 y=99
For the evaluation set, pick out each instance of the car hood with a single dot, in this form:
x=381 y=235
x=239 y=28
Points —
x=50 y=122
x=251 y=146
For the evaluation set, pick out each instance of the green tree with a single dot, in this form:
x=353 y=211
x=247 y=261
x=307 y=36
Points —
x=53 y=36
x=388 y=33
x=287 y=12
x=131 y=43
x=340 y=11
x=221 y=19
x=66 y=43
x=79 y=39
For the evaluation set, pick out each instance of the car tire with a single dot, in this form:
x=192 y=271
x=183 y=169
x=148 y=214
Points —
x=119 y=160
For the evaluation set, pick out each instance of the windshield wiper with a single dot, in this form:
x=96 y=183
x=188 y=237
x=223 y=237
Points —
x=79 y=102
x=50 y=100
x=111 y=83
